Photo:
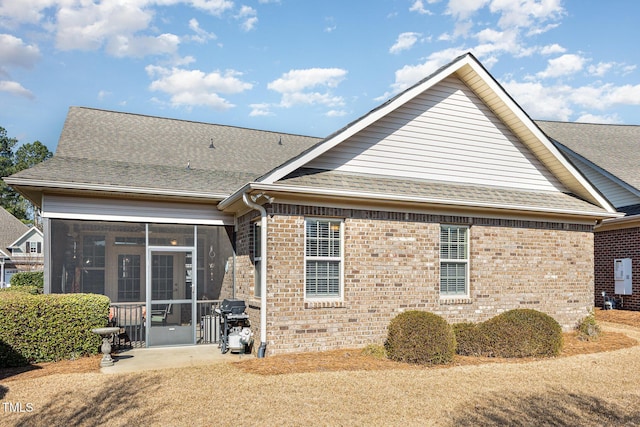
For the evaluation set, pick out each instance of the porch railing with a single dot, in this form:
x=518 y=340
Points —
x=130 y=317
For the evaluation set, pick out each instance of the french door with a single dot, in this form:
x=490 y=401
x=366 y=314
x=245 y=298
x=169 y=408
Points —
x=170 y=296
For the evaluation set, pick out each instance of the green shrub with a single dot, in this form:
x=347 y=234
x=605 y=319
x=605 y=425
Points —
x=375 y=350
x=33 y=290
x=28 y=278
x=588 y=328
x=43 y=328
x=420 y=337
x=471 y=341
x=522 y=333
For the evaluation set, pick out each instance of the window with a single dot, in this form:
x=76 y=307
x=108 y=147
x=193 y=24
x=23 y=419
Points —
x=454 y=260
x=34 y=247
x=257 y=258
x=93 y=262
x=323 y=258
x=128 y=277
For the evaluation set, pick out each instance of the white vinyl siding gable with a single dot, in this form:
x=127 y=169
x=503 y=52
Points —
x=617 y=195
x=445 y=134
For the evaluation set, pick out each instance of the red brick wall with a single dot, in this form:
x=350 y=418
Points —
x=610 y=245
x=392 y=264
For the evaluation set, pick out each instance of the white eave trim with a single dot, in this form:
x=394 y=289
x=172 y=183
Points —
x=111 y=189
x=363 y=195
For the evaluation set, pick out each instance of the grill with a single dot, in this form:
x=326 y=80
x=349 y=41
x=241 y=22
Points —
x=235 y=331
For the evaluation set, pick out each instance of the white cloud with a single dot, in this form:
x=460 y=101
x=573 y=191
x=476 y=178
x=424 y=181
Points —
x=15 y=88
x=540 y=101
x=299 y=80
x=404 y=41
x=102 y=94
x=527 y=13
x=603 y=119
x=14 y=52
x=123 y=46
x=195 y=87
x=418 y=7
x=562 y=66
x=299 y=87
x=249 y=18
x=464 y=9
x=214 y=7
x=258 y=110
x=201 y=35
x=552 y=49
x=336 y=113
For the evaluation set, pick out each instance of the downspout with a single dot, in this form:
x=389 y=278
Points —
x=263 y=270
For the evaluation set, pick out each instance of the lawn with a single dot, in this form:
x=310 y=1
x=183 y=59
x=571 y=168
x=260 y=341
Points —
x=590 y=384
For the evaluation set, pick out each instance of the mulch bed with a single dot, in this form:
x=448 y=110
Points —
x=341 y=360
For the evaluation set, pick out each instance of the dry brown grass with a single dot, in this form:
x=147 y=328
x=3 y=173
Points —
x=347 y=388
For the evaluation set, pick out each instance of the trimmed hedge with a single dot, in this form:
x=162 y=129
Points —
x=522 y=333
x=420 y=337
x=44 y=328
x=28 y=278
x=471 y=341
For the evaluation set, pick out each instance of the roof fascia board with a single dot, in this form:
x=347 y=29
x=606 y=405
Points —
x=362 y=195
x=524 y=118
x=109 y=189
x=366 y=120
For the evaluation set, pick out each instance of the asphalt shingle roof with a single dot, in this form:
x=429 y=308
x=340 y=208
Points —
x=112 y=148
x=615 y=148
x=438 y=190
x=11 y=228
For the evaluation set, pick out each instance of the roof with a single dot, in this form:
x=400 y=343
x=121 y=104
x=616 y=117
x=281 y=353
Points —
x=11 y=229
x=27 y=234
x=437 y=192
x=475 y=76
x=115 y=151
x=614 y=148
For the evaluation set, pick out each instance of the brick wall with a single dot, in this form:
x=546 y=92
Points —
x=610 y=245
x=392 y=264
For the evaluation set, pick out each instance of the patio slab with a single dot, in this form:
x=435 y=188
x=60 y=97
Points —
x=144 y=359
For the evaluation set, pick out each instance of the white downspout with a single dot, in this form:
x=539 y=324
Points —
x=263 y=270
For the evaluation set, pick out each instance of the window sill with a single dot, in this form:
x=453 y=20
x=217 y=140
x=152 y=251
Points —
x=456 y=300
x=324 y=304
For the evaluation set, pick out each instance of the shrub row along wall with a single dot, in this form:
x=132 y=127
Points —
x=391 y=264
x=42 y=328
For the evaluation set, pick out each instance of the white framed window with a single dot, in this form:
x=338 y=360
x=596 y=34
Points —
x=454 y=260
x=323 y=258
x=257 y=258
x=34 y=247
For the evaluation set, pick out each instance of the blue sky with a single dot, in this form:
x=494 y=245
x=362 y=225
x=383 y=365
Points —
x=306 y=66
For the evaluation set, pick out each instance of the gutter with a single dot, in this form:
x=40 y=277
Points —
x=263 y=266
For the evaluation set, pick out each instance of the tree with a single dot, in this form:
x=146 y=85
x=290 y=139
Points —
x=11 y=162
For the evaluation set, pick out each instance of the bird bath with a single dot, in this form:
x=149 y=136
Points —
x=106 y=334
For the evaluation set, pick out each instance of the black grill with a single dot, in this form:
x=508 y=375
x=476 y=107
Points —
x=233 y=321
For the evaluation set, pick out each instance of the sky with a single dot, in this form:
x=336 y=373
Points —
x=306 y=67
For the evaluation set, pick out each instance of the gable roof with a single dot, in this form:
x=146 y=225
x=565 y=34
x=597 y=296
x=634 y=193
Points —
x=471 y=73
x=606 y=151
x=27 y=234
x=119 y=152
x=11 y=228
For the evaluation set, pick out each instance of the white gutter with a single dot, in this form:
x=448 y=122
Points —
x=110 y=188
x=263 y=271
x=350 y=194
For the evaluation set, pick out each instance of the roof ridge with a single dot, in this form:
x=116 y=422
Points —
x=190 y=121
x=586 y=123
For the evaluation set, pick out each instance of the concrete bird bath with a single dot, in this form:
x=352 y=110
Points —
x=106 y=334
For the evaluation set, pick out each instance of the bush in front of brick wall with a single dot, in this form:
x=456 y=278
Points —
x=420 y=337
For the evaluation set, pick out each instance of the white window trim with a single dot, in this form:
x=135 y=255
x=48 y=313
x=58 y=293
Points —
x=340 y=259
x=463 y=261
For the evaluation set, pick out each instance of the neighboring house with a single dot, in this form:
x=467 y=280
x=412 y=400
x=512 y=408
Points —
x=27 y=251
x=609 y=156
x=446 y=198
x=12 y=230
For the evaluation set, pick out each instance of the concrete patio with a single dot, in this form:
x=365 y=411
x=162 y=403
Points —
x=143 y=359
